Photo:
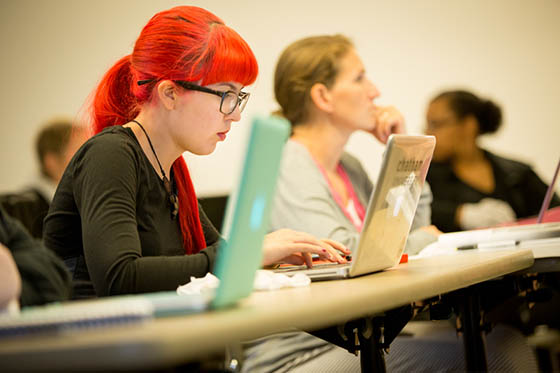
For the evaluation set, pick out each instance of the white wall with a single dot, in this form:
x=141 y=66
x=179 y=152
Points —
x=53 y=53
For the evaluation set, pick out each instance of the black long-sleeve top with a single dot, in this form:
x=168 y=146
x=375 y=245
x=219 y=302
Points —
x=111 y=222
x=516 y=183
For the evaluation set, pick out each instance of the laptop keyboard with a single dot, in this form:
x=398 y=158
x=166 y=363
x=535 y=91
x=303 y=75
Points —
x=318 y=266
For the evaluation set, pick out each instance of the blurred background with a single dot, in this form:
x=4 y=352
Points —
x=54 y=52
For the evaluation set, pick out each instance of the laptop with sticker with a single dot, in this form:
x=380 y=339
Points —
x=247 y=211
x=390 y=211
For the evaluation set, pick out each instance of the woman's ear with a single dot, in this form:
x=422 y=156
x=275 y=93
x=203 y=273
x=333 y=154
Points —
x=167 y=94
x=321 y=97
x=471 y=126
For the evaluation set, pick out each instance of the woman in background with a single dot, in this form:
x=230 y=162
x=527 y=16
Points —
x=125 y=216
x=472 y=187
x=322 y=88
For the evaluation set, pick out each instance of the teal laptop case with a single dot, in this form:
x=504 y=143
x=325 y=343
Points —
x=247 y=211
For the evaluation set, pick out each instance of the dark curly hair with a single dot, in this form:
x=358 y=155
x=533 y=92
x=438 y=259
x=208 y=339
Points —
x=464 y=103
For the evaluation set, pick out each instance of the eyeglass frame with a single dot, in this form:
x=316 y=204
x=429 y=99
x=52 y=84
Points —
x=242 y=97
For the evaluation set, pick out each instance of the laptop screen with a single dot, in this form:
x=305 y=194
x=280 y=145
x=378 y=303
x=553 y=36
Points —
x=548 y=195
x=393 y=204
x=247 y=211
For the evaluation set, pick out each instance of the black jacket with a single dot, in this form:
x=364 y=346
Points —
x=29 y=207
x=516 y=183
x=44 y=277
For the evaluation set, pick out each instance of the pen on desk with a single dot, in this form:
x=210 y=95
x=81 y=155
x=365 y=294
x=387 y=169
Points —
x=490 y=245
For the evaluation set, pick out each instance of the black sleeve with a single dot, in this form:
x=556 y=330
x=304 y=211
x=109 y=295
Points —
x=212 y=237
x=43 y=275
x=106 y=183
x=443 y=214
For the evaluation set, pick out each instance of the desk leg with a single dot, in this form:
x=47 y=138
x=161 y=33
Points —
x=475 y=349
x=368 y=336
x=371 y=352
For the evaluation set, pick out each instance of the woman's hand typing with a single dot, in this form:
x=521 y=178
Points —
x=288 y=246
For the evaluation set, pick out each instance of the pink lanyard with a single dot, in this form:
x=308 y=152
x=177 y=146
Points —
x=352 y=195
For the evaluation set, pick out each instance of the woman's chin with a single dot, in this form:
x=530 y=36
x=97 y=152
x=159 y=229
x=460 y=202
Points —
x=206 y=150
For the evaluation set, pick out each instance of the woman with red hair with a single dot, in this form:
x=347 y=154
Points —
x=125 y=216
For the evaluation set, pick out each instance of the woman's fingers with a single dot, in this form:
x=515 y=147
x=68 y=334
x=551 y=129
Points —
x=308 y=260
x=335 y=254
x=303 y=247
x=307 y=238
x=295 y=247
x=388 y=121
x=294 y=259
x=332 y=247
x=299 y=259
x=325 y=252
x=337 y=245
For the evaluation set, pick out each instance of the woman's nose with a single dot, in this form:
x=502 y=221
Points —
x=373 y=91
x=235 y=115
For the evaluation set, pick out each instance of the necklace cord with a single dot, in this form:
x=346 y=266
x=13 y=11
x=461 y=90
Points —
x=152 y=147
x=166 y=183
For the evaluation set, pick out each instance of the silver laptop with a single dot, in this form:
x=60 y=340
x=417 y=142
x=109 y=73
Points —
x=390 y=211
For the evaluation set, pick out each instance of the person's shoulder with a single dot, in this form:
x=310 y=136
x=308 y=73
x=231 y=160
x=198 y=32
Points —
x=507 y=164
x=298 y=170
x=112 y=135
x=295 y=150
x=350 y=162
x=112 y=143
x=296 y=158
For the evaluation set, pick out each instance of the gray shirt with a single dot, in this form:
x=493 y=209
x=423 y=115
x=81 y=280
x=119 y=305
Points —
x=304 y=201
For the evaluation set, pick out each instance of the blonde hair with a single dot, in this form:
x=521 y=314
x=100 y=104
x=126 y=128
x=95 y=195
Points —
x=302 y=64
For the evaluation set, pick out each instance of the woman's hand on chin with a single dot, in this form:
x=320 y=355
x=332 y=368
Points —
x=388 y=121
x=288 y=246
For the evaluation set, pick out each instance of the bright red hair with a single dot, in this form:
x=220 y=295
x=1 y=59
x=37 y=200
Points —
x=183 y=43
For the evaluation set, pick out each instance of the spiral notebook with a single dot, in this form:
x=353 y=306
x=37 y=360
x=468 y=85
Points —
x=76 y=315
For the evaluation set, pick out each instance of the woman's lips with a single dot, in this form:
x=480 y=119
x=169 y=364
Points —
x=222 y=135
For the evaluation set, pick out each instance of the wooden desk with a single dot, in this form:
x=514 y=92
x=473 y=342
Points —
x=546 y=254
x=176 y=340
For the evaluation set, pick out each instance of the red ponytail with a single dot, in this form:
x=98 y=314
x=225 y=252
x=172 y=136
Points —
x=189 y=220
x=113 y=101
x=182 y=43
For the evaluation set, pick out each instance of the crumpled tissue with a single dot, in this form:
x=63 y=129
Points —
x=208 y=283
x=268 y=280
x=264 y=280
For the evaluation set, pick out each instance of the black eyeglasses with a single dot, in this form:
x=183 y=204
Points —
x=230 y=99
